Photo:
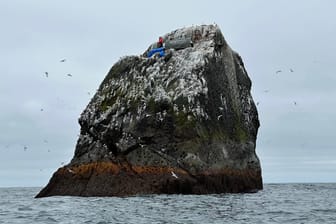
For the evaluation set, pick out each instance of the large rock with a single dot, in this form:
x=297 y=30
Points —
x=184 y=123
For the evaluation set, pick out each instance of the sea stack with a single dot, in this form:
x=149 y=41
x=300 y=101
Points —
x=181 y=121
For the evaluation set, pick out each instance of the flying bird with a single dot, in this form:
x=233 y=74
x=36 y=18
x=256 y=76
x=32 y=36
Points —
x=219 y=116
x=278 y=71
x=63 y=60
x=174 y=175
x=46 y=74
x=291 y=70
x=69 y=75
x=295 y=103
x=70 y=170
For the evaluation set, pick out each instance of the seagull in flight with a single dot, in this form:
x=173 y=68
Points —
x=70 y=170
x=63 y=60
x=69 y=75
x=46 y=74
x=174 y=175
x=278 y=71
x=291 y=70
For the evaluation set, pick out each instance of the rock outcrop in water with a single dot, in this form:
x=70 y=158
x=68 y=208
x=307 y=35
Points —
x=184 y=123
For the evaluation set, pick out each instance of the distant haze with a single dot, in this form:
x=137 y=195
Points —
x=288 y=48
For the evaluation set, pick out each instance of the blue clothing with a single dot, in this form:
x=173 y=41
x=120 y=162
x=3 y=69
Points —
x=156 y=50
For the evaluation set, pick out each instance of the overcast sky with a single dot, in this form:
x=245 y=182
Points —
x=38 y=119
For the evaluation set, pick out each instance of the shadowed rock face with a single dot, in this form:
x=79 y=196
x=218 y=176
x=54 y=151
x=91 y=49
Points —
x=184 y=123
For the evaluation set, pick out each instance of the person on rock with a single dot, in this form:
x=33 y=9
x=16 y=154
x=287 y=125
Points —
x=159 y=49
x=160 y=42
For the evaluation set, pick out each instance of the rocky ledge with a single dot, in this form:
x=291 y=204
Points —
x=184 y=123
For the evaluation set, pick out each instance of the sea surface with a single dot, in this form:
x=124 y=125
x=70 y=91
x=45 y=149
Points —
x=277 y=203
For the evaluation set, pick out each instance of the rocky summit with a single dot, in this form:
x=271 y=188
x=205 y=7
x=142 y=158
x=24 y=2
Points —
x=179 y=122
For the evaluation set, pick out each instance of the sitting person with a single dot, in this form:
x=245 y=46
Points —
x=159 y=49
x=160 y=42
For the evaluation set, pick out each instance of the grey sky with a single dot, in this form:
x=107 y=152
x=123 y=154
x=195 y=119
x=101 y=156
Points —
x=38 y=119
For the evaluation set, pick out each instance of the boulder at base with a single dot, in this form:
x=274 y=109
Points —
x=184 y=123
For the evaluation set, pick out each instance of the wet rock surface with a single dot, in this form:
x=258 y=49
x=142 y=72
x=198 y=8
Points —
x=184 y=123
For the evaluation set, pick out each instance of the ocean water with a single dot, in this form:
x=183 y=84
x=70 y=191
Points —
x=277 y=203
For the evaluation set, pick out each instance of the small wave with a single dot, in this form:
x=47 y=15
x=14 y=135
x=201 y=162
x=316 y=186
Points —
x=279 y=213
x=42 y=213
x=44 y=219
x=49 y=219
x=25 y=208
x=326 y=211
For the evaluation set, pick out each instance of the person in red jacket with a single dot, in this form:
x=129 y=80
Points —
x=160 y=42
x=159 y=49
